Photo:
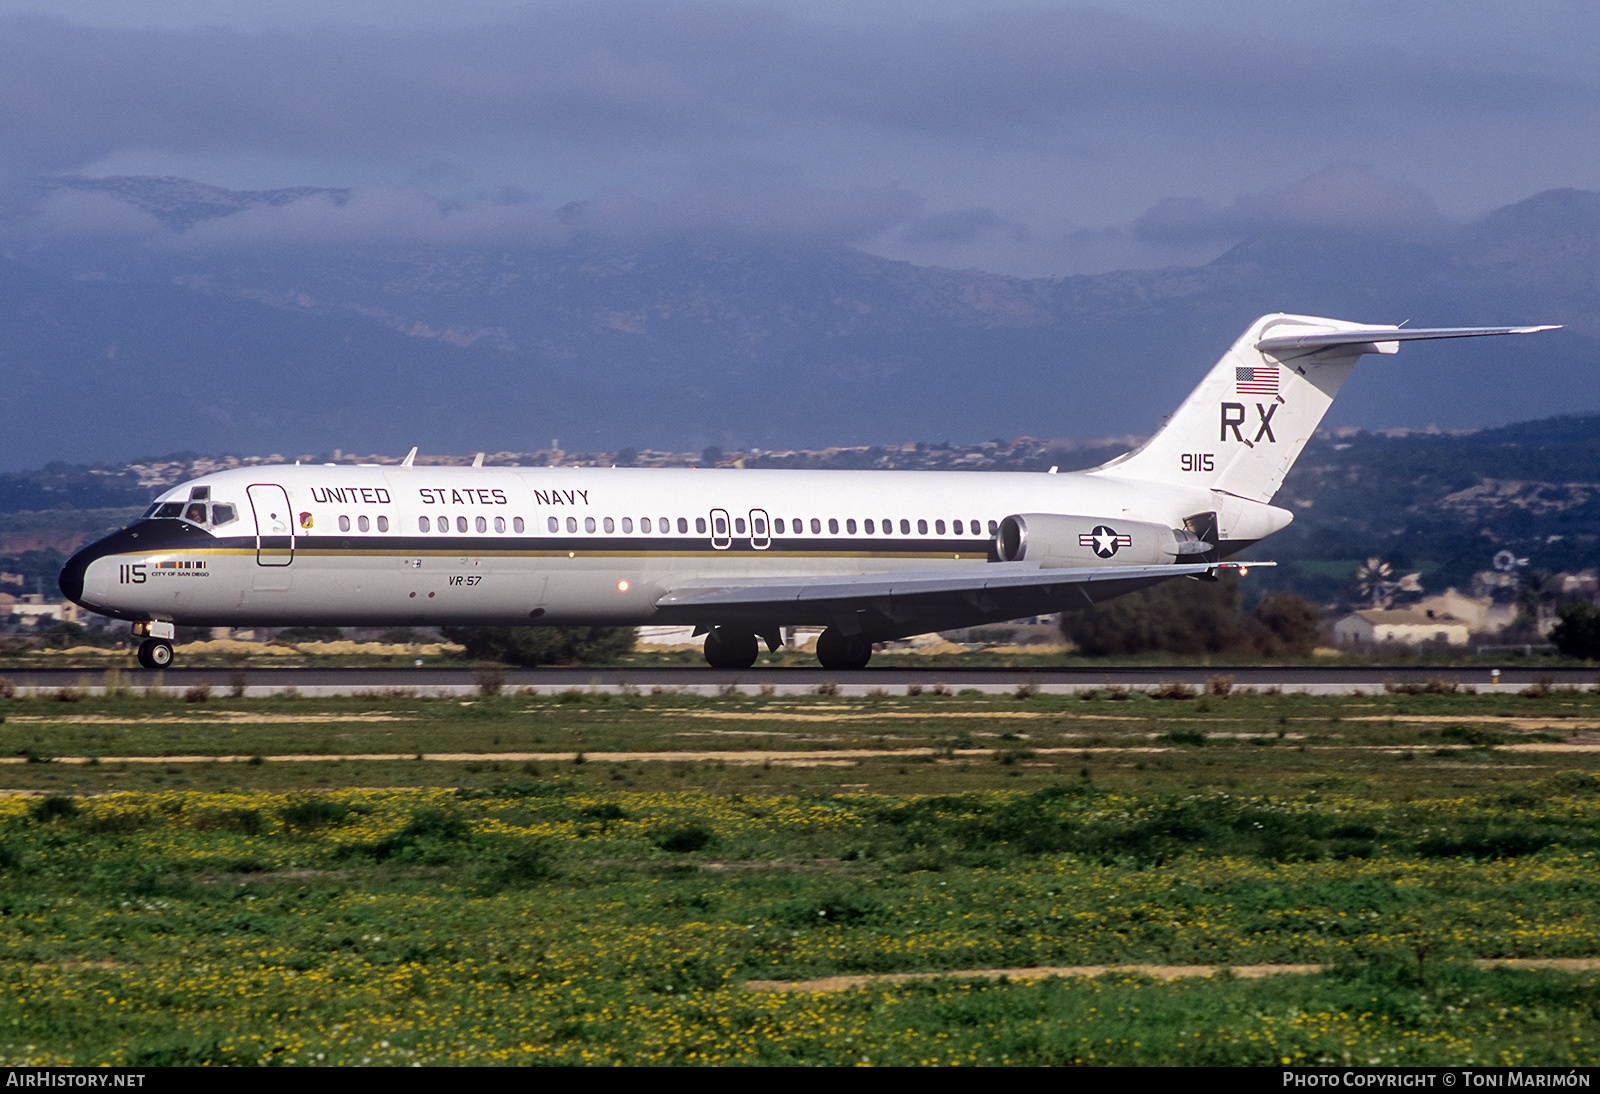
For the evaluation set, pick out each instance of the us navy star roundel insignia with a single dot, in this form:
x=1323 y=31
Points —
x=1104 y=540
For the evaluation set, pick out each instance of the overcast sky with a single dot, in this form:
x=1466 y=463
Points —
x=1035 y=139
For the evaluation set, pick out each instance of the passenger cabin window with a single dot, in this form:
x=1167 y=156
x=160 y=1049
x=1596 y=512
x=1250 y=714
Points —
x=922 y=527
x=461 y=524
x=363 y=524
x=994 y=527
x=555 y=525
x=722 y=526
x=850 y=526
x=938 y=526
x=383 y=524
x=777 y=526
x=572 y=524
x=759 y=525
x=644 y=525
x=683 y=526
x=700 y=525
x=816 y=526
x=833 y=526
x=627 y=525
x=608 y=526
x=517 y=525
x=588 y=524
x=481 y=524
x=905 y=527
x=344 y=524
x=866 y=526
x=423 y=525
x=499 y=524
x=738 y=525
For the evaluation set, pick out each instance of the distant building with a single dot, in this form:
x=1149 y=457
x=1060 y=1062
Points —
x=1480 y=613
x=1409 y=626
x=36 y=610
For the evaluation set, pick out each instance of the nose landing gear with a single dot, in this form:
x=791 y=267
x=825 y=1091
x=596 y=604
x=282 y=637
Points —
x=155 y=653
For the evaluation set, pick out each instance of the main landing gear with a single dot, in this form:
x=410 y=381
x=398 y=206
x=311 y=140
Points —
x=155 y=653
x=837 y=650
x=728 y=648
x=731 y=648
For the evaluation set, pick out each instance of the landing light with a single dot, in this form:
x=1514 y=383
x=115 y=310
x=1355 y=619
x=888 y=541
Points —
x=1243 y=570
x=622 y=586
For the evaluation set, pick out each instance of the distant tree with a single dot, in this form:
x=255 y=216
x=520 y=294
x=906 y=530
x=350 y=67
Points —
x=309 y=634
x=1181 y=616
x=1194 y=617
x=532 y=646
x=627 y=457
x=1578 y=632
x=710 y=455
x=1285 y=622
x=403 y=636
x=60 y=636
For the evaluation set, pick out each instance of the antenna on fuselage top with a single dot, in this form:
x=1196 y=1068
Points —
x=411 y=458
x=477 y=461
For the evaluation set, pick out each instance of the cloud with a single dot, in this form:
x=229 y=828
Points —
x=375 y=216
x=753 y=116
x=797 y=215
x=1346 y=195
x=640 y=73
x=205 y=218
x=69 y=214
x=961 y=226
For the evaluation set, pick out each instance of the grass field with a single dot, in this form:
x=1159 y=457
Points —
x=584 y=878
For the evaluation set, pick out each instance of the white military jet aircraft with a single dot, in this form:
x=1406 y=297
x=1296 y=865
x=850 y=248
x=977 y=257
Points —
x=869 y=555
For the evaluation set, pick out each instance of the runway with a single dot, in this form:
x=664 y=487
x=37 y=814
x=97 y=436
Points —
x=443 y=681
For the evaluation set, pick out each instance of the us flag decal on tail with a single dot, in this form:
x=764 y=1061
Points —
x=1256 y=380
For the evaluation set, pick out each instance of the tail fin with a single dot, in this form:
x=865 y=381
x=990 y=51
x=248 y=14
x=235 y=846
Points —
x=1242 y=429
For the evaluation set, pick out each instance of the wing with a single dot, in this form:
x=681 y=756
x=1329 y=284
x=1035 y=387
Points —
x=913 y=601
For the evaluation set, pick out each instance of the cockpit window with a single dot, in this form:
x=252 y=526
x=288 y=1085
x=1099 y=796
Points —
x=195 y=512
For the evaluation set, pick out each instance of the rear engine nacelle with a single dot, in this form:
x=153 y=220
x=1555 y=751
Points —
x=1054 y=540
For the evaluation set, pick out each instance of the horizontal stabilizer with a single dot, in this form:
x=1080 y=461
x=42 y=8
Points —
x=1382 y=339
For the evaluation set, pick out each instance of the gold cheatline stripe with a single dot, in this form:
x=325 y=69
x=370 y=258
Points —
x=311 y=552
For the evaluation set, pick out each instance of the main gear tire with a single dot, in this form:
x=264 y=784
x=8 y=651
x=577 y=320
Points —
x=841 y=651
x=727 y=648
x=155 y=653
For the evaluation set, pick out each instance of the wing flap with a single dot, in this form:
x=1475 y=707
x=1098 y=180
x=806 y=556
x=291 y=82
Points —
x=976 y=580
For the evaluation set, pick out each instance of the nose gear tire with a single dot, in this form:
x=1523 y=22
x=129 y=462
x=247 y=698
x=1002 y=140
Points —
x=155 y=653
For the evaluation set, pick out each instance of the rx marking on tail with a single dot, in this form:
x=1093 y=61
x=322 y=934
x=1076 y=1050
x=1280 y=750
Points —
x=1233 y=417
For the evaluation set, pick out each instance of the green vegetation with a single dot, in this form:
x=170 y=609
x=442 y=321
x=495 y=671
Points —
x=220 y=882
x=533 y=646
x=1195 y=618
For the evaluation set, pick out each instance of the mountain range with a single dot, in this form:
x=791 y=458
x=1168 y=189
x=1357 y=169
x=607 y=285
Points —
x=116 y=345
